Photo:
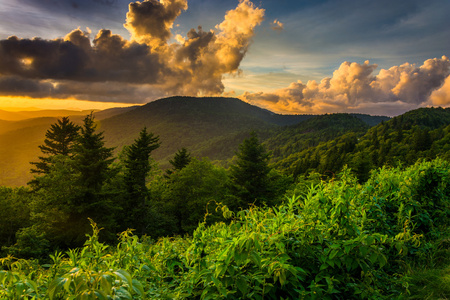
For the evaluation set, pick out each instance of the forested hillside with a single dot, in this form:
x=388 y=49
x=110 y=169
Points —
x=208 y=127
x=310 y=133
x=420 y=134
x=19 y=140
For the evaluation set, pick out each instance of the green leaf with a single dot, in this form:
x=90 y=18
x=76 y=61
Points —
x=369 y=240
x=333 y=253
x=123 y=293
x=138 y=288
x=125 y=276
x=373 y=257
x=220 y=270
x=55 y=286
x=242 y=285
x=256 y=258
x=363 y=250
x=106 y=283
x=382 y=260
x=101 y=295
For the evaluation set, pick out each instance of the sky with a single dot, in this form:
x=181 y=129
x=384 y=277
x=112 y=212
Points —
x=381 y=57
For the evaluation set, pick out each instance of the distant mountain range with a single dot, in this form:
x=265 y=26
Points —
x=208 y=127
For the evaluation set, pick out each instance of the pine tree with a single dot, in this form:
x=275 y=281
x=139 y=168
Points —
x=92 y=158
x=250 y=174
x=181 y=159
x=137 y=163
x=59 y=140
x=137 y=168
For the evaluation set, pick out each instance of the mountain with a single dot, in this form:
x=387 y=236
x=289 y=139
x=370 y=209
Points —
x=194 y=123
x=110 y=112
x=419 y=134
x=19 y=143
x=208 y=127
x=310 y=133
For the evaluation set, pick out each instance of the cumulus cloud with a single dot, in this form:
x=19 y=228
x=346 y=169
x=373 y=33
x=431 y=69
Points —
x=355 y=87
x=150 y=21
x=109 y=67
x=441 y=96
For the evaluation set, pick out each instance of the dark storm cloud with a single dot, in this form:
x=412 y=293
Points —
x=109 y=58
x=37 y=58
x=16 y=86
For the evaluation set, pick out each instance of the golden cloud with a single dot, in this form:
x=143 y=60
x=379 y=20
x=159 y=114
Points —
x=354 y=87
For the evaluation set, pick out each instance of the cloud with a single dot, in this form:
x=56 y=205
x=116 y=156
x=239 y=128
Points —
x=109 y=58
x=205 y=57
x=441 y=96
x=354 y=87
x=147 y=66
x=277 y=25
x=150 y=21
x=16 y=86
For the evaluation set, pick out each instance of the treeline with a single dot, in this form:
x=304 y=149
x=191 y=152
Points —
x=420 y=134
x=77 y=177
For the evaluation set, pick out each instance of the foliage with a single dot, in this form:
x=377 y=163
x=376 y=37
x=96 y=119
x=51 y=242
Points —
x=338 y=240
x=92 y=158
x=210 y=127
x=137 y=161
x=59 y=140
x=181 y=159
x=249 y=175
x=14 y=213
x=137 y=167
x=290 y=140
x=187 y=195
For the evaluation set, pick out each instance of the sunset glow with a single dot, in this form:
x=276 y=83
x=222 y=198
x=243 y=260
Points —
x=289 y=57
x=26 y=103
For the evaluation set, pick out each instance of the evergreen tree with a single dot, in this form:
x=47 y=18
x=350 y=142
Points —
x=137 y=163
x=59 y=140
x=90 y=164
x=181 y=159
x=250 y=174
x=137 y=167
x=92 y=158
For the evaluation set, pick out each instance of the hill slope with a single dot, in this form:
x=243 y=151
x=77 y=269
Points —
x=208 y=127
x=193 y=123
x=421 y=133
x=311 y=132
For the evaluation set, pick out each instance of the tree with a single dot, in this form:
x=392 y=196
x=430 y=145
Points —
x=60 y=139
x=250 y=174
x=181 y=159
x=14 y=213
x=92 y=158
x=137 y=167
x=91 y=163
x=192 y=192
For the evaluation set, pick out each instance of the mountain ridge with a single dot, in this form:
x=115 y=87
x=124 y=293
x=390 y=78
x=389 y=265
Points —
x=208 y=126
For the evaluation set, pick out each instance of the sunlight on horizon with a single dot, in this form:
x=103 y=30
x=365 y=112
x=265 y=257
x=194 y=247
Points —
x=26 y=103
